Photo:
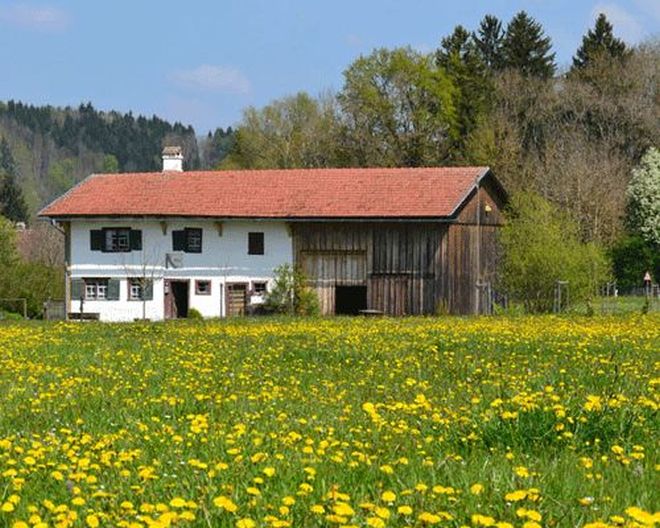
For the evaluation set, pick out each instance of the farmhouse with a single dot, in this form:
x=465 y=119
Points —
x=400 y=241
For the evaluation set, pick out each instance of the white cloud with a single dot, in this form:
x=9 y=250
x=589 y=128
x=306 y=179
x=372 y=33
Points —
x=626 y=25
x=40 y=18
x=211 y=78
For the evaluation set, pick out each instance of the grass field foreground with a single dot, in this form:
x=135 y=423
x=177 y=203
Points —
x=506 y=422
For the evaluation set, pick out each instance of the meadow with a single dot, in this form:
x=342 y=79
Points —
x=501 y=421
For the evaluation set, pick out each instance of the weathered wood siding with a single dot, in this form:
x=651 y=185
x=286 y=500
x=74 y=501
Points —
x=409 y=268
x=472 y=248
x=397 y=262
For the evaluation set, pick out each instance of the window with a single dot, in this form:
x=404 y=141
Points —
x=116 y=239
x=188 y=240
x=96 y=289
x=255 y=243
x=140 y=289
x=259 y=288
x=203 y=287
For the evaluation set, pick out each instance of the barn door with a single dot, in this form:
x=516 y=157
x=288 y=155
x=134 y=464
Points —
x=325 y=270
x=236 y=299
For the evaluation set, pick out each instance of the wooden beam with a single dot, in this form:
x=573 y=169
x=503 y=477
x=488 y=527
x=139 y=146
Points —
x=218 y=226
x=163 y=226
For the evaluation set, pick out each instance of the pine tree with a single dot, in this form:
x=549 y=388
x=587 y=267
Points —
x=461 y=60
x=12 y=202
x=599 y=42
x=489 y=39
x=526 y=48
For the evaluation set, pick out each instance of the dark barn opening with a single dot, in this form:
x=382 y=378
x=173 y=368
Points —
x=180 y=293
x=349 y=300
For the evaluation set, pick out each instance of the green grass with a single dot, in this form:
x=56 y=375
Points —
x=110 y=423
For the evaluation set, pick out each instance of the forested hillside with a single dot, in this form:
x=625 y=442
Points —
x=48 y=149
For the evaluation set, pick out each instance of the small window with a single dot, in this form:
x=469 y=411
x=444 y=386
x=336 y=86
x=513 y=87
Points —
x=203 y=287
x=259 y=288
x=255 y=243
x=140 y=289
x=188 y=240
x=115 y=239
x=96 y=289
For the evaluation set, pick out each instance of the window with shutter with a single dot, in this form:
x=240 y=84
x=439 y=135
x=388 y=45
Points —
x=140 y=289
x=188 y=240
x=255 y=243
x=92 y=289
x=193 y=240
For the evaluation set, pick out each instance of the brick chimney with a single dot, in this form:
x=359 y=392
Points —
x=173 y=159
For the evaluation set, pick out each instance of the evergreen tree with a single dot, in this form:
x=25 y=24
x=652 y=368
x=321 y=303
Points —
x=460 y=59
x=12 y=203
x=489 y=39
x=599 y=42
x=526 y=48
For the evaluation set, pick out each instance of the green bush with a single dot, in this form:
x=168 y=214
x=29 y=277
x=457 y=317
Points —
x=290 y=293
x=541 y=246
x=194 y=314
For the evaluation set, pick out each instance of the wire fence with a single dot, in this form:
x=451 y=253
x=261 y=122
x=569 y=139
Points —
x=609 y=299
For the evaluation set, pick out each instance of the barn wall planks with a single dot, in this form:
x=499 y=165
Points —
x=397 y=262
x=409 y=268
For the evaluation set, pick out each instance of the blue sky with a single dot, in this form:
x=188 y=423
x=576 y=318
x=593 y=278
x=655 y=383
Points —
x=202 y=61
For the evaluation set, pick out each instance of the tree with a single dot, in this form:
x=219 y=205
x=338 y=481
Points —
x=398 y=110
x=489 y=39
x=598 y=43
x=12 y=202
x=632 y=257
x=541 y=246
x=459 y=57
x=296 y=131
x=643 y=195
x=290 y=294
x=525 y=48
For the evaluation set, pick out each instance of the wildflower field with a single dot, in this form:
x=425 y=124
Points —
x=507 y=422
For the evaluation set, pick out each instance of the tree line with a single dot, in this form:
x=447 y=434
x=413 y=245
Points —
x=52 y=148
x=491 y=96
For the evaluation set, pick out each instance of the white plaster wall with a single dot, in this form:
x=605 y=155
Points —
x=223 y=259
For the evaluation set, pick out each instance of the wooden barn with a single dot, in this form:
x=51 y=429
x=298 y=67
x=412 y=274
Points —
x=393 y=240
x=407 y=265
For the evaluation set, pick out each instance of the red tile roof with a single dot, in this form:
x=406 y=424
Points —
x=296 y=193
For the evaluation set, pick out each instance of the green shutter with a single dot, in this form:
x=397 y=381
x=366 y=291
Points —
x=178 y=240
x=113 y=289
x=148 y=291
x=96 y=239
x=77 y=289
x=136 y=239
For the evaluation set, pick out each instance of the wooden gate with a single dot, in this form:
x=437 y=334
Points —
x=236 y=300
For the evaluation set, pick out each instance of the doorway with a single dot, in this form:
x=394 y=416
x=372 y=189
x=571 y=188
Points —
x=349 y=300
x=236 y=302
x=176 y=299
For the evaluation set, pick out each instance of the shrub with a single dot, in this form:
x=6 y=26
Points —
x=541 y=246
x=290 y=293
x=195 y=314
